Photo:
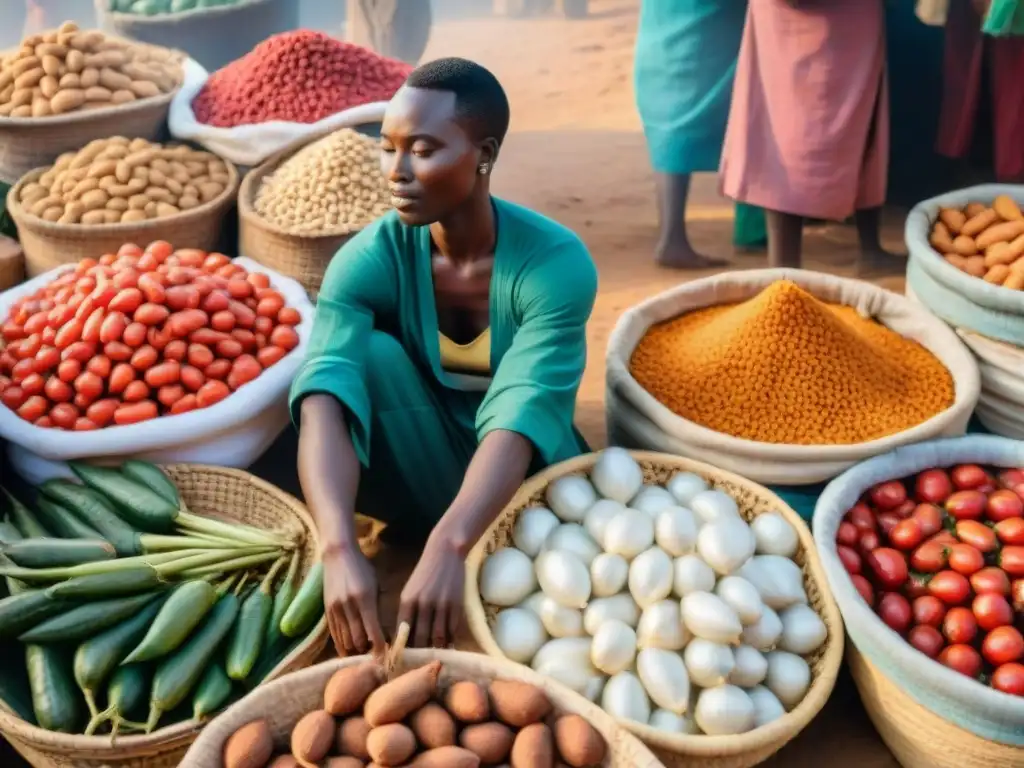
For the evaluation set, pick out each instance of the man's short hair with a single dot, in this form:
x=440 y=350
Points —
x=480 y=101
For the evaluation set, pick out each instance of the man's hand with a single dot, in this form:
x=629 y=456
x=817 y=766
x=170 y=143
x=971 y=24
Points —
x=432 y=600
x=350 y=602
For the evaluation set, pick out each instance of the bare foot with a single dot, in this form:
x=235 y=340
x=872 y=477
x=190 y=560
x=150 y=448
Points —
x=878 y=262
x=682 y=256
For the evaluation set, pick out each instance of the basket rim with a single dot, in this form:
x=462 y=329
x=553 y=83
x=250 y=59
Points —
x=154 y=20
x=255 y=176
x=94 y=115
x=776 y=733
x=178 y=733
x=22 y=217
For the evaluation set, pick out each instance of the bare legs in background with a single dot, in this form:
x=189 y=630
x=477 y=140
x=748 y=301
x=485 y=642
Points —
x=674 y=249
x=785 y=239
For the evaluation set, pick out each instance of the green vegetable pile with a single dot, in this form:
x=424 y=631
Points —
x=157 y=7
x=121 y=596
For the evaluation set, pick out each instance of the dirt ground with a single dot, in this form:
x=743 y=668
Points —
x=576 y=153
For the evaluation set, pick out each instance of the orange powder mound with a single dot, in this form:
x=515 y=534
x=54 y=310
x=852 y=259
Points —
x=785 y=367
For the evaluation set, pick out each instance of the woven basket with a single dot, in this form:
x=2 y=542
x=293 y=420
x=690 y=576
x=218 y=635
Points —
x=49 y=244
x=283 y=702
x=916 y=736
x=225 y=493
x=212 y=36
x=678 y=751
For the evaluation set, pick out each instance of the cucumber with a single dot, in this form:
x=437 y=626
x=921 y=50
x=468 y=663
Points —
x=14 y=688
x=62 y=522
x=273 y=640
x=178 y=674
x=94 y=510
x=23 y=519
x=139 y=505
x=127 y=582
x=151 y=476
x=126 y=699
x=86 y=620
x=99 y=656
x=308 y=605
x=212 y=693
x=21 y=612
x=55 y=699
x=57 y=553
x=184 y=610
x=269 y=662
x=9 y=533
x=247 y=636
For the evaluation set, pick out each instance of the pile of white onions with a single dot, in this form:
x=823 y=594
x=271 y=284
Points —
x=661 y=603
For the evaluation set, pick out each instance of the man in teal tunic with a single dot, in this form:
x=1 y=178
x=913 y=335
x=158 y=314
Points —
x=446 y=355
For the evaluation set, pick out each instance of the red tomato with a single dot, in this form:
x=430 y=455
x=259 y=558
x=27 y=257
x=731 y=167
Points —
x=933 y=486
x=1002 y=645
x=850 y=559
x=928 y=640
x=969 y=476
x=864 y=587
x=965 y=559
x=861 y=517
x=1009 y=678
x=1003 y=505
x=961 y=658
x=888 y=495
x=1011 y=560
x=1011 y=530
x=992 y=611
x=930 y=557
x=868 y=541
x=895 y=611
x=929 y=610
x=887 y=521
x=966 y=505
x=990 y=581
x=888 y=566
x=1017 y=595
x=959 y=626
x=929 y=518
x=950 y=587
x=906 y=535
x=848 y=535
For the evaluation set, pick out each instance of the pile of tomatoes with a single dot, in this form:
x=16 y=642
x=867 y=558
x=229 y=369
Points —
x=140 y=334
x=940 y=559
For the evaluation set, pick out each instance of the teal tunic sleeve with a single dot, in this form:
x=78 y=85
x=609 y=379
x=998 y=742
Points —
x=534 y=387
x=357 y=287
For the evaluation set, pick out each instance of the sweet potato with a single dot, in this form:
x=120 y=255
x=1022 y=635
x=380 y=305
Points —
x=396 y=700
x=518 y=704
x=433 y=726
x=445 y=757
x=348 y=688
x=313 y=737
x=578 y=742
x=343 y=762
x=284 y=761
x=491 y=742
x=533 y=748
x=390 y=745
x=251 y=746
x=351 y=738
x=468 y=702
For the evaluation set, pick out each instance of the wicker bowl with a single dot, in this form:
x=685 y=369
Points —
x=283 y=702
x=48 y=244
x=229 y=494
x=678 y=751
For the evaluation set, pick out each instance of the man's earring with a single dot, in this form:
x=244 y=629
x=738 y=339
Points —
x=483 y=169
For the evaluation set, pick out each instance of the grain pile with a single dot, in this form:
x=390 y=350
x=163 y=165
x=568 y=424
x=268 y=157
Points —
x=785 y=367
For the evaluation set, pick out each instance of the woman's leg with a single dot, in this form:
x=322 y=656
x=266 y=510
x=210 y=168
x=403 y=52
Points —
x=419 y=448
x=785 y=239
x=674 y=249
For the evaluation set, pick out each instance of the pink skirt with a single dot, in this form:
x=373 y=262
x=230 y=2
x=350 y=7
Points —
x=808 y=130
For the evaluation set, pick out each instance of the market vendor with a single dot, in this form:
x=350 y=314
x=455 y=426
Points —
x=445 y=359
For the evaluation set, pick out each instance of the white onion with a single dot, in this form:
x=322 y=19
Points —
x=764 y=634
x=507 y=578
x=675 y=531
x=751 y=667
x=788 y=677
x=629 y=533
x=725 y=544
x=533 y=603
x=567 y=660
x=774 y=534
x=560 y=621
x=684 y=486
x=519 y=634
x=712 y=505
x=650 y=577
x=778 y=579
x=614 y=647
x=624 y=697
x=652 y=499
x=573 y=538
x=706 y=615
x=708 y=663
x=598 y=517
x=616 y=475
x=661 y=626
x=564 y=577
x=803 y=631
x=665 y=679
x=570 y=497
x=608 y=574
x=742 y=596
x=724 y=711
x=691 y=574
x=621 y=607
x=767 y=706
x=531 y=529
x=670 y=722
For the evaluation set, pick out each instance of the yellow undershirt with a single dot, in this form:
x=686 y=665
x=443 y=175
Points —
x=473 y=358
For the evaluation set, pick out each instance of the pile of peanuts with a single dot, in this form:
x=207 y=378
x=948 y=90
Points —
x=984 y=241
x=333 y=186
x=70 y=70
x=116 y=180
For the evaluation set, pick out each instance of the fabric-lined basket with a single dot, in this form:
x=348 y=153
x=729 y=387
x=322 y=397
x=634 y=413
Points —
x=677 y=751
x=49 y=244
x=229 y=494
x=283 y=702
x=212 y=36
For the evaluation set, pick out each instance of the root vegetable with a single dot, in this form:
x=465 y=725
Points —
x=351 y=738
x=251 y=746
x=624 y=696
x=614 y=647
x=570 y=497
x=433 y=726
x=724 y=711
x=491 y=742
x=348 y=688
x=467 y=702
x=396 y=700
x=665 y=679
x=616 y=475
x=574 y=539
x=445 y=757
x=519 y=633
x=390 y=745
x=621 y=607
x=532 y=528
x=578 y=742
x=313 y=737
x=661 y=626
x=562 y=576
x=684 y=486
x=518 y=704
x=507 y=577
x=534 y=747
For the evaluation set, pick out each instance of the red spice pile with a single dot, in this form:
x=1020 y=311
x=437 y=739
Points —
x=299 y=77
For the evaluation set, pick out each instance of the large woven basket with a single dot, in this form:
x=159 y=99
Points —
x=917 y=736
x=678 y=751
x=212 y=36
x=283 y=702
x=229 y=494
x=49 y=244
